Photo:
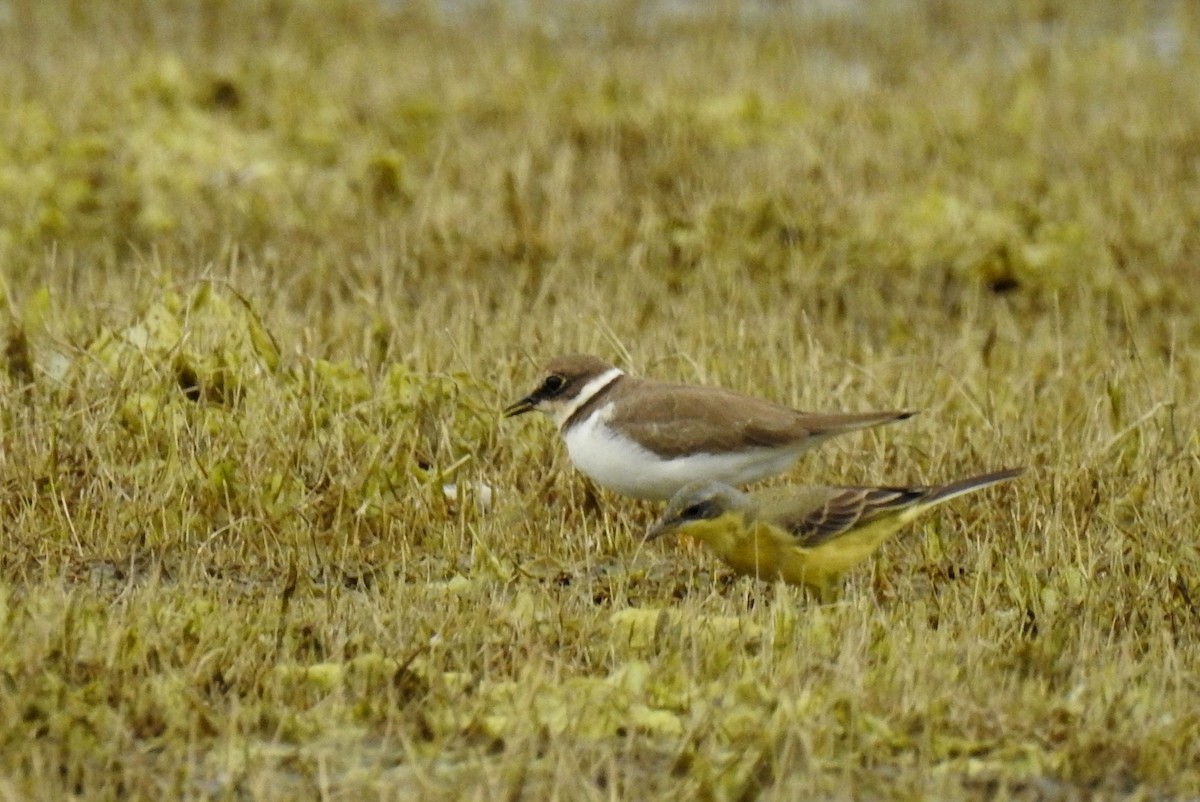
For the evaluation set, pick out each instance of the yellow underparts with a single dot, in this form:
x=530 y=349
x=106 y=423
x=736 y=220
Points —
x=765 y=551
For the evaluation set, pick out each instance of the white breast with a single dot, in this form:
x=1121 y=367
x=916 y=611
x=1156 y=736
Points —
x=622 y=465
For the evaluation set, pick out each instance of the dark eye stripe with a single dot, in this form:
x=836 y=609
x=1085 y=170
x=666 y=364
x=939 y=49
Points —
x=699 y=511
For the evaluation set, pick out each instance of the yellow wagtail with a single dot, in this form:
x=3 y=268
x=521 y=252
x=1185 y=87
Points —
x=803 y=535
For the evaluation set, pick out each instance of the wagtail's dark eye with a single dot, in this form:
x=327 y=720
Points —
x=553 y=384
x=696 y=512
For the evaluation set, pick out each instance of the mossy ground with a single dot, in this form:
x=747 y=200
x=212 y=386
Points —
x=270 y=270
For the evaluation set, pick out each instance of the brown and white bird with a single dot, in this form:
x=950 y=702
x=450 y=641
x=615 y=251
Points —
x=647 y=438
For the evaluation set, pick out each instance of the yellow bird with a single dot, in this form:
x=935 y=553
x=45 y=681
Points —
x=803 y=535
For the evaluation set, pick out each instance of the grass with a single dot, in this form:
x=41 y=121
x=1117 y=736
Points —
x=271 y=270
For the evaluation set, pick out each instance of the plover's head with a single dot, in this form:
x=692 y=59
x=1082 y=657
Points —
x=568 y=382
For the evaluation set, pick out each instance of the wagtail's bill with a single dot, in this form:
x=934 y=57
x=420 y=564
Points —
x=647 y=438
x=807 y=536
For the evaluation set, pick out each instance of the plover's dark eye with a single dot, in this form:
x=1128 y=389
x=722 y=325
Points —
x=553 y=384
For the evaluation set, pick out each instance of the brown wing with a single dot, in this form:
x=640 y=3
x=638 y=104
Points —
x=674 y=417
x=844 y=508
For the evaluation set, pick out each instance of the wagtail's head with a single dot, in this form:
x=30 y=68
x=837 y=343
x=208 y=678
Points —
x=565 y=382
x=698 y=501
